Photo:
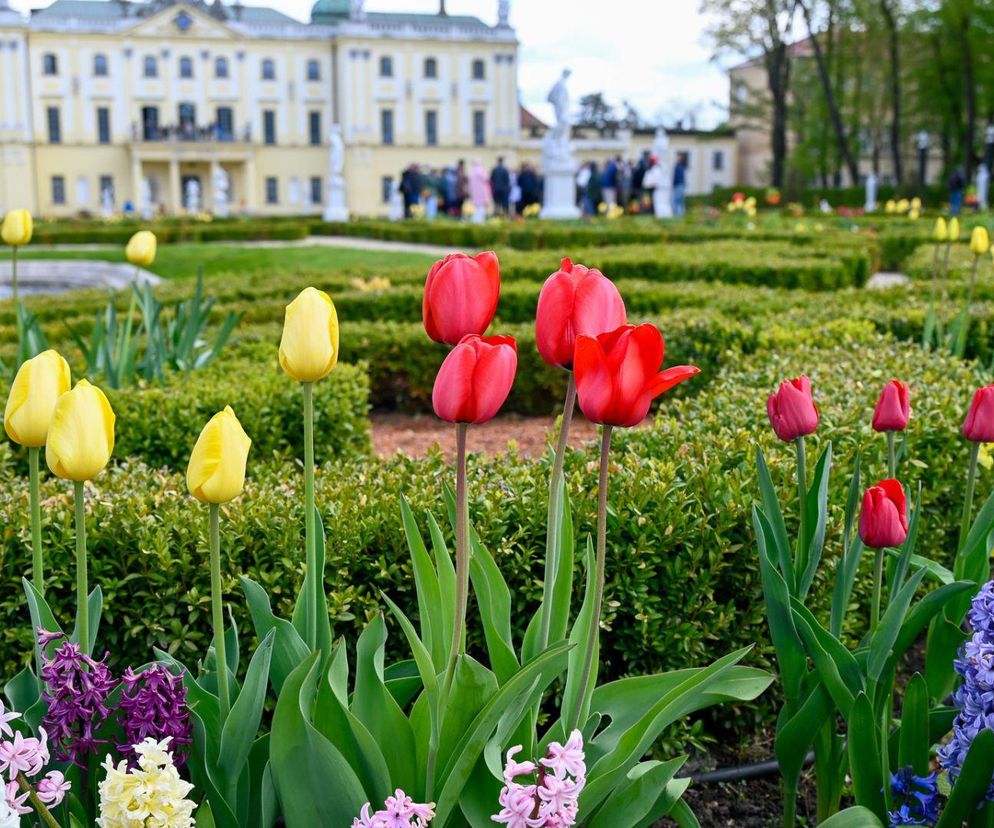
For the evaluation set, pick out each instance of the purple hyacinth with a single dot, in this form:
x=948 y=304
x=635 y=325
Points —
x=153 y=703
x=76 y=691
x=975 y=696
x=917 y=798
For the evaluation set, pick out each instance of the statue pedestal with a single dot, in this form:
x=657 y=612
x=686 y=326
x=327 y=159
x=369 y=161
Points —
x=336 y=209
x=662 y=200
x=559 y=199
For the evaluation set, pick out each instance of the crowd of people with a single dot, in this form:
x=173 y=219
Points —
x=462 y=189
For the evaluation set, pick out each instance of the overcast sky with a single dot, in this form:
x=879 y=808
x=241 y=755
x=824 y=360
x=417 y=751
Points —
x=652 y=53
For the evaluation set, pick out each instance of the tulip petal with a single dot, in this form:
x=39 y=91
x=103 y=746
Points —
x=451 y=396
x=665 y=380
x=493 y=377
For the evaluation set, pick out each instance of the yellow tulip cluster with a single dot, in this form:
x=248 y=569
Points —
x=531 y=210
x=745 y=205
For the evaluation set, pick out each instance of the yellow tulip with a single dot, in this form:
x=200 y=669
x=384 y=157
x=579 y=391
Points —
x=891 y=206
x=980 y=241
x=309 y=347
x=216 y=473
x=914 y=214
x=141 y=248
x=81 y=437
x=17 y=228
x=37 y=387
x=916 y=203
x=954 y=229
x=941 y=231
x=903 y=205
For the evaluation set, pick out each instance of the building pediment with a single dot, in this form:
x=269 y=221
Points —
x=172 y=20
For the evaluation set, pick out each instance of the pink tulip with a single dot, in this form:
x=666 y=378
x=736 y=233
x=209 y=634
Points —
x=792 y=410
x=979 y=423
x=460 y=298
x=475 y=379
x=883 y=520
x=893 y=408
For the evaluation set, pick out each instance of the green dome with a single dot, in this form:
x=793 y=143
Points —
x=330 y=11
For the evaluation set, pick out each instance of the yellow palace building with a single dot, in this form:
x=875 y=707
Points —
x=165 y=105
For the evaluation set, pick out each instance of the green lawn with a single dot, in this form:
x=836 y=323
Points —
x=180 y=261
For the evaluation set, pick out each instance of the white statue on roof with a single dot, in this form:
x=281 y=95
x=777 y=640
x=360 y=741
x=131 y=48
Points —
x=358 y=10
x=503 y=13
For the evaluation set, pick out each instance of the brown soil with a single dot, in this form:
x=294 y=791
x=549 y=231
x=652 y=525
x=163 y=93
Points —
x=416 y=435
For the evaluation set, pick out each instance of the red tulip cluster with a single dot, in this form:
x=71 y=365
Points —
x=580 y=326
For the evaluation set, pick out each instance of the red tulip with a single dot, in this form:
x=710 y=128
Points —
x=475 y=378
x=883 y=520
x=979 y=423
x=893 y=408
x=461 y=294
x=575 y=300
x=618 y=376
x=792 y=411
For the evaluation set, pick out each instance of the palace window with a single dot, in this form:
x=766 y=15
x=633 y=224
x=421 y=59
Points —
x=100 y=66
x=220 y=67
x=386 y=188
x=718 y=160
x=479 y=70
x=272 y=190
x=317 y=195
x=386 y=66
x=50 y=64
x=314 y=122
x=186 y=67
x=431 y=128
x=187 y=118
x=150 y=123
x=268 y=70
x=103 y=125
x=150 y=67
x=313 y=70
x=431 y=68
x=107 y=186
x=269 y=126
x=386 y=126
x=58 y=189
x=225 y=123
x=54 y=125
x=479 y=127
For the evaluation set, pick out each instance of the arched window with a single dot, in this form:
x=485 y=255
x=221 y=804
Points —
x=479 y=70
x=431 y=68
x=220 y=67
x=313 y=70
x=50 y=64
x=100 y=66
x=386 y=66
x=150 y=67
x=268 y=69
x=186 y=67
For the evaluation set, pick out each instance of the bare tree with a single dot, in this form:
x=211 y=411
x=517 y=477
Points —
x=888 y=9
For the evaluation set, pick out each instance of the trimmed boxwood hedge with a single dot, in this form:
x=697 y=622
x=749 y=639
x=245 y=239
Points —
x=683 y=585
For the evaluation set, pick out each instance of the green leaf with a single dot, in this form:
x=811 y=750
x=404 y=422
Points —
x=925 y=610
x=836 y=666
x=845 y=577
x=817 y=508
x=204 y=818
x=574 y=707
x=796 y=733
x=943 y=643
x=855 y=817
x=914 y=744
x=433 y=633
x=472 y=688
x=289 y=649
x=22 y=690
x=900 y=570
x=494 y=599
x=864 y=757
x=683 y=816
x=972 y=784
x=887 y=631
x=778 y=542
x=634 y=799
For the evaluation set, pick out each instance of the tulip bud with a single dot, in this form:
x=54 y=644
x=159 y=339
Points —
x=916 y=203
x=980 y=241
x=792 y=410
x=941 y=230
x=893 y=408
x=618 y=376
x=17 y=228
x=890 y=206
x=954 y=229
x=883 y=520
x=81 y=436
x=979 y=423
x=309 y=347
x=460 y=298
x=141 y=248
x=575 y=300
x=475 y=379
x=39 y=383
x=216 y=473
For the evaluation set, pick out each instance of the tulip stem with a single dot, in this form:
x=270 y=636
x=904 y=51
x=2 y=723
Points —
x=555 y=506
x=891 y=455
x=37 y=563
x=971 y=483
x=43 y=813
x=13 y=275
x=312 y=581
x=462 y=562
x=217 y=611
x=593 y=632
x=878 y=578
x=802 y=498
x=82 y=587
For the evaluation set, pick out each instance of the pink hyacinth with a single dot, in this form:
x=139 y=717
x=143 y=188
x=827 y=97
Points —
x=399 y=811
x=551 y=799
x=23 y=754
x=52 y=788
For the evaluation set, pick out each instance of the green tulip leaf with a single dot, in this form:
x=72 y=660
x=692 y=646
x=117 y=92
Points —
x=289 y=649
x=635 y=799
x=855 y=817
x=864 y=757
x=972 y=784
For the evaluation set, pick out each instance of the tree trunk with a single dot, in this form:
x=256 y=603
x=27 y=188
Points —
x=778 y=75
x=833 y=109
x=970 y=138
x=895 y=90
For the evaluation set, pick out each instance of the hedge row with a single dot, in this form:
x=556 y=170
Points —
x=683 y=585
x=173 y=231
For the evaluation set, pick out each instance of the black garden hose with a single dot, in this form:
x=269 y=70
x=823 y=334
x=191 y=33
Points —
x=756 y=770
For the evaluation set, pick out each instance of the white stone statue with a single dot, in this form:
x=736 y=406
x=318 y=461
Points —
x=358 y=10
x=293 y=190
x=558 y=165
x=871 y=193
x=396 y=210
x=146 y=199
x=503 y=13
x=662 y=193
x=337 y=207
x=192 y=196
x=82 y=192
x=221 y=186
x=983 y=186
x=106 y=203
